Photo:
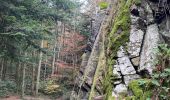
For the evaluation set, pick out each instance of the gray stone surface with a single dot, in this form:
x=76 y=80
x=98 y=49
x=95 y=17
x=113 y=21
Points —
x=149 y=17
x=117 y=82
x=125 y=65
x=121 y=52
x=127 y=69
x=150 y=43
x=121 y=88
x=129 y=78
x=117 y=74
x=136 y=37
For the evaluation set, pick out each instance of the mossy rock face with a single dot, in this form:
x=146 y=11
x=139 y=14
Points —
x=141 y=88
x=103 y=5
x=117 y=39
x=119 y=36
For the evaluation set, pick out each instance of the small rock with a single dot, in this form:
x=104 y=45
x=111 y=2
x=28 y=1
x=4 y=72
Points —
x=126 y=66
x=98 y=98
x=129 y=78
x=121 y=52
x=126 y=70
x=121 y=88
x=117 y=82
x=117 y=74
x=136 y=61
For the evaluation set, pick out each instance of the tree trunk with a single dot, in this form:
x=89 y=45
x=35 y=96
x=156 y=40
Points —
x=45 y=67
x=53 y=63
x=33 y=80
x=23 y=80
x=39 y=69
x=33 y=75
x=2 y=67
x=17 y=76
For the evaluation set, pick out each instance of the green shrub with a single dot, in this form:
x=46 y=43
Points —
x=49 y=87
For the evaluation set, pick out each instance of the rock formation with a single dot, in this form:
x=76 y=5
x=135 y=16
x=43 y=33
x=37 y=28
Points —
x=136 y=28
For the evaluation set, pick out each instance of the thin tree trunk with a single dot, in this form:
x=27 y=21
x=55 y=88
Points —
x=45 y=66
x=2 y=67
x=53 y=63
x=23 y=80
x=33 y=75
x=39 y=69
x=57 y=46
x=33 y=80
x=17 y=76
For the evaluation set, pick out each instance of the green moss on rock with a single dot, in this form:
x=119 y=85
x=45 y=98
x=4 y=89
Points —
x=119 y=36
x=103 y=5
x=122 y=24
x=107 y=82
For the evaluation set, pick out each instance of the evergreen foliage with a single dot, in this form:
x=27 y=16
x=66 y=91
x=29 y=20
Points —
x=23 y=25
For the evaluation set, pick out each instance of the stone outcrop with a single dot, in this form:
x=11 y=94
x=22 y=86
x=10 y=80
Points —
x=148 y=29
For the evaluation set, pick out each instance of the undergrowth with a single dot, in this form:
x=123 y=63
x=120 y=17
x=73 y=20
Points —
x=7 y=88
x=161 y=74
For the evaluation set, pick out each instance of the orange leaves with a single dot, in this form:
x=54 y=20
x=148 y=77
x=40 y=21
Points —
x=71 y=42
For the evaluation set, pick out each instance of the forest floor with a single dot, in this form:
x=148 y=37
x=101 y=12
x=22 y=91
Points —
x=28 y=98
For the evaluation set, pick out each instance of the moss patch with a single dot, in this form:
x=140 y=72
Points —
x=122 y=22
x=141 y=88
x=107 y=82
x=103 y=5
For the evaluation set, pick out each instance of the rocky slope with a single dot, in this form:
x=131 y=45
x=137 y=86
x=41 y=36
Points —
x=134 y=29
x=149 y=24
